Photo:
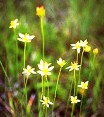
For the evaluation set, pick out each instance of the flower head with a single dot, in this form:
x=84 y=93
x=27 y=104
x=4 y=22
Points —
x=87 y=48
x=61 y=62
x=83 y=43
x=25 y=37
x=40 y=11
x=74 y=66
x=44 y=68
x=29 y=70
x=74 y=99
x=46 y=102
x=84 y=85
x=95 y=51
x=76 y=46
x=14 y=23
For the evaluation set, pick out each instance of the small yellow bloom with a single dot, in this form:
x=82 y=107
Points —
x=74 y=99
x=44 y=68
x=84 y=85
x=95 y=51
x=29 y=70
x=40 y=11
x=61 y=62
x=87 y=48
x=46 y=102
x=25 y=37
x=76 y=46
x=74 y=66
x=83 y=43
x=14 y=23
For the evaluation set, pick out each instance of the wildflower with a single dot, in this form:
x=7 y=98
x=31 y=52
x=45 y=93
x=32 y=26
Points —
x=29 y=70
x=44 y=68
x=61 y=62
x=83 y=43
x=76 y=46
x=87 y=48
x=84 y=85
x=46 y=102
x=74 y=66
x=95 y=51
x=25 y=37
x=14 y=23
x=40 y=11
x=74 y=99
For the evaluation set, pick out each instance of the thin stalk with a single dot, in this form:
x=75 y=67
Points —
x=69 y=97
x=41 y=112
x=24 y=54
x=47 y=85
x=72 y=110
x=81 y=63
x=74 y=83
x=16 y=58
x=42 y=31
x=4 y=70
x=25 y=81
x=46 y=112
x=81 y=106
x=77 y=58
x=16 y=55
x=80 y=69
x=42 y=88
x=56 y=89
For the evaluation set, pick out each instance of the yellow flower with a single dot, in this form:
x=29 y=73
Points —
x=95 y=51
x=81 y=91
x=83 y=43
x=14 y=23
x=76 y=46
x=29 y=70
x=40 y=11
x=87 y=48
x=74 y=66
x=44 y=68
x=25 y=37
x=46 y=102
x=84 y=85
x=61 y=62
x=74 y=99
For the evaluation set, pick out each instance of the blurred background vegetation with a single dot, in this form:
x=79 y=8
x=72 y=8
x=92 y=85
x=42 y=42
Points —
x=66 y=22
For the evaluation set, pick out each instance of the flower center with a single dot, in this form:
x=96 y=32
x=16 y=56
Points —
x=45 y=71
x=46 y=101
x=74 y=100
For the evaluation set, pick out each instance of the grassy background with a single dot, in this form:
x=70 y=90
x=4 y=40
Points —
x=66 y=22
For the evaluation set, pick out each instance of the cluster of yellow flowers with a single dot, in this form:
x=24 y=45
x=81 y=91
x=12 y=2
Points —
x=80 y=44
x=44 y=67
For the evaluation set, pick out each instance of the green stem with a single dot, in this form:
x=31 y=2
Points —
x=80 y=69
x=74 y=83
x=81 y=106
x=5 y=72
x=42 y=31
x=56 y=89
x=47 y=85
x=77 y=58
x=16 y=56
x=72 y=110
x=42 y=88
x=25 y=83
x=69 y=97
x=46 y=112
x=24 y=54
